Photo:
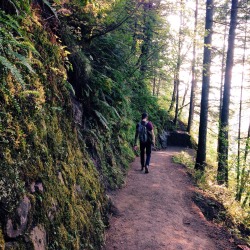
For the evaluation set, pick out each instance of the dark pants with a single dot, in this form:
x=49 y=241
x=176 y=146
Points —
x=146 y=146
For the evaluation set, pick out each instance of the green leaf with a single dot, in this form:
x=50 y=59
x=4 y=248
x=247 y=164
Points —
x=70 y=87
x=12 y=68
x=102 y=119
x=50 y=7
x=24 y=61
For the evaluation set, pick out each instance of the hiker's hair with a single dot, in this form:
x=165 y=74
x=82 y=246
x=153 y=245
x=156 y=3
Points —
x=144 y=115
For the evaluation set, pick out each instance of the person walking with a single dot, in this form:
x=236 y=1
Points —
x=145 y=132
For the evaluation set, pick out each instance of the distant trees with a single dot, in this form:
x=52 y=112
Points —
x=201 y=152
x=177 y=67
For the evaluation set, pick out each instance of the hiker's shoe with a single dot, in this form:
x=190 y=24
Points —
x=146 y=170
x=142 y=168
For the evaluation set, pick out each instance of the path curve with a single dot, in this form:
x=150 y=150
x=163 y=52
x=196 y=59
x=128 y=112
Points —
x=155 y=211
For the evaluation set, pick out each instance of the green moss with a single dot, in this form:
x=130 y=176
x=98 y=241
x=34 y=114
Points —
x=2 y=241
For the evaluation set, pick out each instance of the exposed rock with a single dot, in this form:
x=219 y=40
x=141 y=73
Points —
x=15 y=228
x=11 y=246
x=60 y=177
x=78 y=188
x=38 y=237
x=39 y=187
x=52 y=210
x=77 y=111
x=163 y=138
x=36 y=186
x=32 y=187
x=179 y=139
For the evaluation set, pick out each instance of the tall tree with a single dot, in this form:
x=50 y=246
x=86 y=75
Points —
x=238 y=184
x=245 y=175
x=194 y=81
x=178 y=64
x=201 y=152
x=222 y=174
x=147 y=36
x=222 y=72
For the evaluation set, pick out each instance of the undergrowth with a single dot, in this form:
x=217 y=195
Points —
x=207 y=182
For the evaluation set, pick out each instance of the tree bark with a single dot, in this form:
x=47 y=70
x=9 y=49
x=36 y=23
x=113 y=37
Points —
x=222 y=174
x=183 y=101
x=247 y=145
x=194 y=81
x=158 y=86
x=201 y=152
x=178 y=65
x=154 y=84
x=239 y=184
x=222 y=79
x=147 y=38
x=173 y=96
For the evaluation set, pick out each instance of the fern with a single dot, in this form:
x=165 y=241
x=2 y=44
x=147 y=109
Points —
x=14 y=50
x=70 y=87
x=102 y=119
x=47 y=3
x=12 y=68
x=22 y=5
x=10 y=22
x=23 y=60
x=111 y=108
x=28 y=46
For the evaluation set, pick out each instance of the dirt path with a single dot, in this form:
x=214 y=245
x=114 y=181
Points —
x=155 y=211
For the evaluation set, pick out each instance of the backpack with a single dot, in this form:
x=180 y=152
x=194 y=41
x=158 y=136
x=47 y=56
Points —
x=143 y=132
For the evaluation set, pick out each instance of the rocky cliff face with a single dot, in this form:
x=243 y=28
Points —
x=53 y=169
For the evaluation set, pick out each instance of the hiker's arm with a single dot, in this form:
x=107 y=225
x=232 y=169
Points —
x=153 y=137
x=136 y=136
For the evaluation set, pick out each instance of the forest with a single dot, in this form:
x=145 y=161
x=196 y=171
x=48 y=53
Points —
x=75 y=77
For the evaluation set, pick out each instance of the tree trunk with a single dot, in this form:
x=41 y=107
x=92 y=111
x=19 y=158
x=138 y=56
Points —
x=244 y=174
x=183 y=101
x=158 y=86
x=173 y=96
x=246 y=199
x=154 y=85
x=238 y=193
x=222 y=174
x=201 y=152
x=222 y=78
x=194 y=81
x=239 y=184
x=147 y=38
x=178 y=65
x=247 y=144
x=133 y=47
x=177 y=93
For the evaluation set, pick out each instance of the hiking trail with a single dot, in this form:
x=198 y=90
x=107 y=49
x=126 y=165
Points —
x=155 y=211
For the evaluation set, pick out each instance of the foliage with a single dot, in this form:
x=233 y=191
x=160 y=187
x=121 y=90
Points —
x=48 y=81
x=207 y=182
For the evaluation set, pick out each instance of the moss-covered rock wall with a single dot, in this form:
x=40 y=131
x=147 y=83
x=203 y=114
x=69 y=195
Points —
x=66 y=129
x=51 y=194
